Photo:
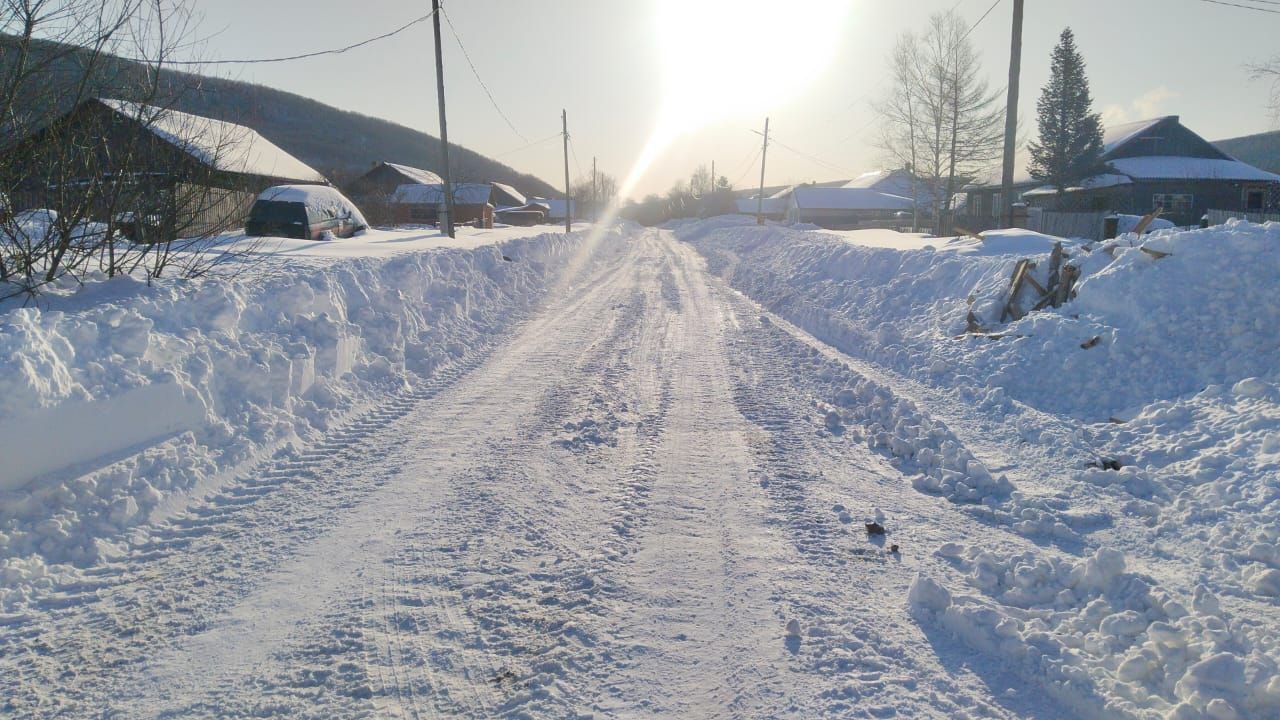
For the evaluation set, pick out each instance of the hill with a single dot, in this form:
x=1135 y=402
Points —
x=1261 y=150
x=339 y=143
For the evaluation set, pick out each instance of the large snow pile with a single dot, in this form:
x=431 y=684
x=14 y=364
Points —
x=120 y=398
x=1204 y=315
x=1106 y=642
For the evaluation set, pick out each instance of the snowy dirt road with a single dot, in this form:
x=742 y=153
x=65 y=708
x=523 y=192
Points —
x=615 y=512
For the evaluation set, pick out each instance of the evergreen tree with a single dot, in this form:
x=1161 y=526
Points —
x=1070 y=132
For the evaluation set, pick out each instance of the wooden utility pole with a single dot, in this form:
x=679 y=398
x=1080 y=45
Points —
x=568 y=192
x=763 y=152
x=1011 y=115
x=595 y=207
x=447 y=226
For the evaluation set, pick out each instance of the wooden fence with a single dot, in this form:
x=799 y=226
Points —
x=1218 y=217
x=1084 y=225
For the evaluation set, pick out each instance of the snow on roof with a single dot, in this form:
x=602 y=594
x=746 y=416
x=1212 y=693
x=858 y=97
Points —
x=1117 y=135
x=216 y=143
x=321 y=198
x=1096 y=182
x=555 y=207
x=845 y=198
x=1190 y=168
x=772 y=206
x=783 y=193
x=869 y=179
x=433 y=194
x=512 y=192
x=417 y=175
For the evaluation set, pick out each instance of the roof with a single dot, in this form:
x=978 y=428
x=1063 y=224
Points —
x=217 y=144
x=772 y=206
x=1096 y=182
x=433 y=194
x=1190 y=168
x=845 y=198
x=511 y=192
x=1116 y=135
x=555 y=207
x=415 y=175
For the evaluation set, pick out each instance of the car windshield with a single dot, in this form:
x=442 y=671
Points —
x=277 y=211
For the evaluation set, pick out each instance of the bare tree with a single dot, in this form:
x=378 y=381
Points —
x=147 y=203
x=1269 y=71
x=941 y=120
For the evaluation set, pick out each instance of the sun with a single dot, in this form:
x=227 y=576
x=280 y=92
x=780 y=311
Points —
x=729 y=58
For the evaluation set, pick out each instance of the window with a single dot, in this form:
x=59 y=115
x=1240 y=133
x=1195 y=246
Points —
x=1255 y=199
x=1174 y=203
x=976 y=205
x=997 y=204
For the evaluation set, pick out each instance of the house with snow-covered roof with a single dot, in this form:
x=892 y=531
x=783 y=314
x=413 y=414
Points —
x=900 y=182
x=415 y=203
x=845 y=208
x=1157 y=163
x=190 y=175
x=372 y=191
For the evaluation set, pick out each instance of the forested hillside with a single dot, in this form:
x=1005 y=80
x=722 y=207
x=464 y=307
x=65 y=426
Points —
x=1261 y=150
x=337 y=142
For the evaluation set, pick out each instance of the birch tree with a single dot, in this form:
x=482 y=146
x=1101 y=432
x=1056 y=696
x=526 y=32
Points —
x=941 y=119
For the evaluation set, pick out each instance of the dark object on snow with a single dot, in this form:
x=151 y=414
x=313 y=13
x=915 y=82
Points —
x=893 y=548
x=507 y=259
x=1106 y=464
x=1091 y=342
x=875 y=528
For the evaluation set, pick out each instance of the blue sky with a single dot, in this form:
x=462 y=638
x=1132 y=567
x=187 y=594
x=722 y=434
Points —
x=603 y=61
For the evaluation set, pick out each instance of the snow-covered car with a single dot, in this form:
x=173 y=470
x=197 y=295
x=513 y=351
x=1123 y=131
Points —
x=304 y=211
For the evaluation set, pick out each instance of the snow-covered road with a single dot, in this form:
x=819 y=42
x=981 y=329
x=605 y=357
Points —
x=615 y=512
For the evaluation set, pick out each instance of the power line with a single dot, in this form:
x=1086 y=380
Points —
x=975 y=25
x=475 y=72
x=1244 y=7
x=573 y=150
x=335 y=51
x=751 y=163
x=813 y=158
x=526 y=146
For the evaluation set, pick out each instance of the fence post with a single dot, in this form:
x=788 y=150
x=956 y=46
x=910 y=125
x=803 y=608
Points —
x=1110 y=227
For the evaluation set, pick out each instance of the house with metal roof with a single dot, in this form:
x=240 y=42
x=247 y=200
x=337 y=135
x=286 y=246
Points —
x=1145 y=165
x=188 y=174
x=843 y=208
x=416 y=203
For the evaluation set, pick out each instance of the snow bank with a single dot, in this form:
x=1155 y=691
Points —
x=121 y=397
x=1204 y=315
x=1106 y=642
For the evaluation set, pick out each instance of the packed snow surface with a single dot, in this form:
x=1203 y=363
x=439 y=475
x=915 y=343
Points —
x=712 y=470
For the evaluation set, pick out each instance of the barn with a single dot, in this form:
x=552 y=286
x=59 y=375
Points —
x=372 y=191
x=189 y=175
x=413 y=204
x=1145 y=165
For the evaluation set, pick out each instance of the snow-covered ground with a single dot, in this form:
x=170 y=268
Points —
x=630 y=476
x=1152 y=591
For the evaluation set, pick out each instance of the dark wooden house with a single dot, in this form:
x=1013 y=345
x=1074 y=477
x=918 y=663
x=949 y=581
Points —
x=111 y=159
x=372 y=192
x=1144 y=165
x=414 y=204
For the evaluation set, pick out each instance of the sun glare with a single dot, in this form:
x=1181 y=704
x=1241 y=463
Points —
x=723 y=59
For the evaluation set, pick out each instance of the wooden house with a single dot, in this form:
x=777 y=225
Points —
x=372 y=191
x=1145 y=165
x=414 y=204
x=188 y=175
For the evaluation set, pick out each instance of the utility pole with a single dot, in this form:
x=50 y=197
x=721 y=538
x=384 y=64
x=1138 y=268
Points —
x=444 y=128
x=763 y=152
x=568 y=193
x=713 y=177
x=595 y=207
x=1011 y=115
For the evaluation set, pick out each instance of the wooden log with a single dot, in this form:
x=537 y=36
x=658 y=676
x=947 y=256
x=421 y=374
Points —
x=1015 y=285
x=1157 y=254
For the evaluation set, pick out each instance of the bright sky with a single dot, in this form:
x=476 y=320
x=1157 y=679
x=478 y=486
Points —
x=813 y=70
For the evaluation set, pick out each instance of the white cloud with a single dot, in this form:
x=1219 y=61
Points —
x=1151 y=104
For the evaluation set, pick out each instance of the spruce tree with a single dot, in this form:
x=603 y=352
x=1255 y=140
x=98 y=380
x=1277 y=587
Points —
x=1070 y=132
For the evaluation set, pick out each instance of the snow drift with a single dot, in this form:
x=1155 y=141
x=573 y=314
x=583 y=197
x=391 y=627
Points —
x=119 y=398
